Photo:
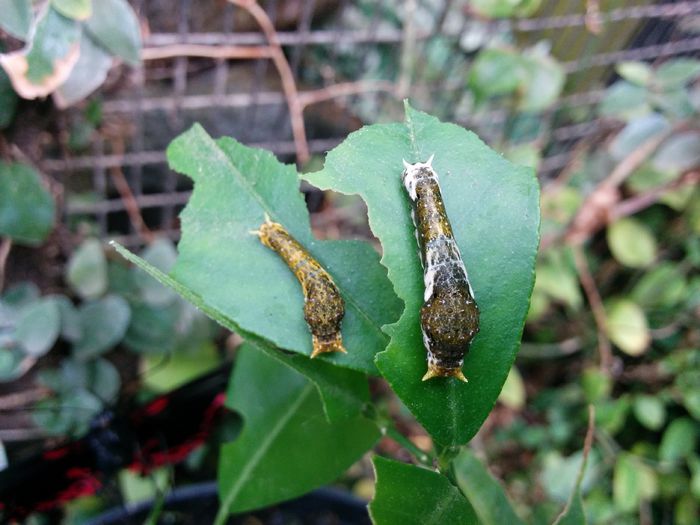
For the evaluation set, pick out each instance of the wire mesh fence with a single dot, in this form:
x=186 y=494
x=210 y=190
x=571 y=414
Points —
x=352 y=63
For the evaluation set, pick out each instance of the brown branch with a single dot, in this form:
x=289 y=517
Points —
x=205 y=51
x=344 y=89
x=23 y=398
x=130 y=205
x=644 y=200
x=5 y=247
x=296 y=110
x=587 y=445
x=592 y=19
x=595 y=211
x=596 y=303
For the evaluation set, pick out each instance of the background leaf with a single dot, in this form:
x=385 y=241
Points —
x=627 y=326
x=46 y=62
x=103 y=323
x=493 y=208
x=16 y=17
x=229 y=268
x=484 y=493
x=115 y=26
x=8 y=100
x=287 y=447
x=88 y=73
x=678 y=440
x=26 y=207
x=411 y=495
x=87 y=270
x=75 y=9
x=631 y=242
x=38 y=327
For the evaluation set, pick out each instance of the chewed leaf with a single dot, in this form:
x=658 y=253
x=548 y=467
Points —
x=493 y=207
x=230 y=271
x=47 y=61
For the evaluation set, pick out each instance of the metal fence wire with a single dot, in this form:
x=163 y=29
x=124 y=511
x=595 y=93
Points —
x=328 y=44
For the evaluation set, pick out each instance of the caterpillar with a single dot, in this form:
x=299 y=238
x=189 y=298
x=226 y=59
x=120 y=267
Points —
x=324 y=308
x=449 y=317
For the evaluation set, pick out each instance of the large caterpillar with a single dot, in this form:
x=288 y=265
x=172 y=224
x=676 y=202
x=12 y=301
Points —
x=449 y=317
x=324 y=308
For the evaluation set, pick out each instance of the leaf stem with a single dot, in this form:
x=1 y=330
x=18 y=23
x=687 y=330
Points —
x=445 y=457
x=423 y=457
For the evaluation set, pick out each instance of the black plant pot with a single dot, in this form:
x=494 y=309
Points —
x=197 y=505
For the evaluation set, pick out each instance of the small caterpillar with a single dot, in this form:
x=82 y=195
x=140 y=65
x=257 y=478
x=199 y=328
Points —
x=449 y=316
x=324 y=308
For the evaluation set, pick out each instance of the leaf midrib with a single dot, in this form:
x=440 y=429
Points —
x=263 y=447
x=261 y=201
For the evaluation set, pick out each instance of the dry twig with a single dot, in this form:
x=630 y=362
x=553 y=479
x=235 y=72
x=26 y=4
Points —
x=132 y=207
x=596 y=303
x=205 y=51
x=286 y=76
x=5 y=247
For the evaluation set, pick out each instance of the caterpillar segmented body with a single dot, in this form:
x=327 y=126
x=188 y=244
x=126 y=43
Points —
x=324 y=308
x=449 y=316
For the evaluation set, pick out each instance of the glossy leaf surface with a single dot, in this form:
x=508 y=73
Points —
x=494 y=210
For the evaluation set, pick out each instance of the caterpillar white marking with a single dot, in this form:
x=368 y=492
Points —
x=449 y=316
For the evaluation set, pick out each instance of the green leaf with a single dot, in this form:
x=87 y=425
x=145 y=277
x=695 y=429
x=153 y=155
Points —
x=557 y=279
x=485 y=494
x=46 y=62
x=636 y=133
x=70 y=414
x=513 y=393
x=649 y=411
x=627 y=326
x=87 y=270
x=161 y=254
x=624 y=100
x=597 y=384
x=10 y=363
x=633 y=481
x=104 y=323
x=88 y=73
x=179 y=368
x=135 y=488
x=677 y=72
x=559 y=474
x=493 y=208
x=16 y=17
x=543 y=83
x=75 y=9
x=679 y=153
x=631 y=242
x=638 y=73
x=287 y=447
x=411 y=495
x=71 y=329
x=21 y=294
x=104 y=380
x=496 y=72
x=8 y=100
x=344 y=392
x=152 y=328
x=611 y=414
x=341 y=392
x=115 y=26
x=505 y=8
x=574 y=513
x=229 y=268
x=26 y=207
x=38 y=327
x=679 y=439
